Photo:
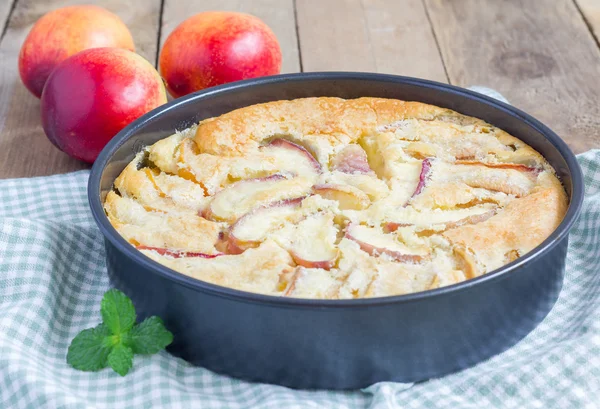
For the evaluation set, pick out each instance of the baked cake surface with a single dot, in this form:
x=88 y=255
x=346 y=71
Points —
x=333 y=198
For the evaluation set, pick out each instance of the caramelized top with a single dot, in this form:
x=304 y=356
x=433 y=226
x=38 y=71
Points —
x=333 y=198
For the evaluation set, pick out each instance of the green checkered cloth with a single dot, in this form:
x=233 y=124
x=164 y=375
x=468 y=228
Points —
x=53 y=275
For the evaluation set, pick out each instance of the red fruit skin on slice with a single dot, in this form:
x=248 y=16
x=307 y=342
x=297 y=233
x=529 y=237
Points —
x=425 y=170
x=352 y=160
x=283 y=143
x=515 y=166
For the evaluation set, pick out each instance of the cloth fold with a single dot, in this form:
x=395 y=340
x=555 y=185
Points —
x=53 y=275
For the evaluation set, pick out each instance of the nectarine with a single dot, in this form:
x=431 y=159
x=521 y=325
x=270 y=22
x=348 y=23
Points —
x=217 y=47
x=253 y=228
x=313 y=243
x=237 y=199
x=64 y=32
x=292 y=158
x=348 y=197
x=94 y=94
x=353 y=160
x=375 y=242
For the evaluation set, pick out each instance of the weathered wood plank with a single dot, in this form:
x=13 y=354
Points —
x=591 y=12
x=390 y=36
x=277 y=14
x=402 y=39
x=334 y=36
x=540 y=55
x=24 y=149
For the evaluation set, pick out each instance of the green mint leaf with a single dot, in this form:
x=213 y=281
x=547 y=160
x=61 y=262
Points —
x=89 y=350
x=114 y=342
x=118 y=312
x=149 y=337
x=120 y=359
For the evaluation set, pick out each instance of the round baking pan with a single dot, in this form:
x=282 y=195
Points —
x=338 y=344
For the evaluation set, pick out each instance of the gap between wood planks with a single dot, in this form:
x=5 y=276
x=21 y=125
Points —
x=437 y=43
x=159 y=33
x=298 y=36
x=8 y=15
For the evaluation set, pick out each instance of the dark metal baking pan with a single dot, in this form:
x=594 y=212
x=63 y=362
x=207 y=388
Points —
x=339 y=344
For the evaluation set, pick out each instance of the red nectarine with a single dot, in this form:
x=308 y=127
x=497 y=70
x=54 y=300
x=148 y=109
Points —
x=94 y=94
x=64 y=32
x=217 y=47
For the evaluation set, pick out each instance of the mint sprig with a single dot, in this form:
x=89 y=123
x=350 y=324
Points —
x=114 y=342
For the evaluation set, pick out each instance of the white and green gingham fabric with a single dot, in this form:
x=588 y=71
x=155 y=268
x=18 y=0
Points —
x=53 y=275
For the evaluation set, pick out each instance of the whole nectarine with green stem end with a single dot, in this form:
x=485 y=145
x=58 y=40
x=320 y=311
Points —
x=218 y=47
x=64 y=32
x=94 y=94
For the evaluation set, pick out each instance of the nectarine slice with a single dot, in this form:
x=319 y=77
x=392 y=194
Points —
x=313 y=244
x=425 y=171
x=515 y=166
x=252 y=228
x=292 y=158
x=312 y=283
x=241 y=197
x=451 y=221
x=352 y=159
x=375 y=242
x=348 y=197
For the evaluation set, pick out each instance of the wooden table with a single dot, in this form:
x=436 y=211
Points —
x=543 y=55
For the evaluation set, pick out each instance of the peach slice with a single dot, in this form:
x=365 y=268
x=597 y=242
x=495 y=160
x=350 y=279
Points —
x=312 y=283
x=348 y=197
x=178 y=253
x=478 y=218
x=375 y=242
x=292 y=158
x=313 y=244
x=425 y=171
x=516 y=166
x=352 y=159
x=390 y=227
x=252 y=228
x=241 y=197
x=512 y=180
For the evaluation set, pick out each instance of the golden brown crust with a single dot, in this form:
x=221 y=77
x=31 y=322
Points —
x=422 y=179
x=522 y=225
x=257 y=270
x=140 y=225
x=330 y=120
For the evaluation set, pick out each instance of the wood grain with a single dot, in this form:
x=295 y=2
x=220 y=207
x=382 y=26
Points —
x=334 y=36
x=591 y=13
x=540 y=56
x=24 y=149
x=277 y=14
x=402 y=39
x=389 y=36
